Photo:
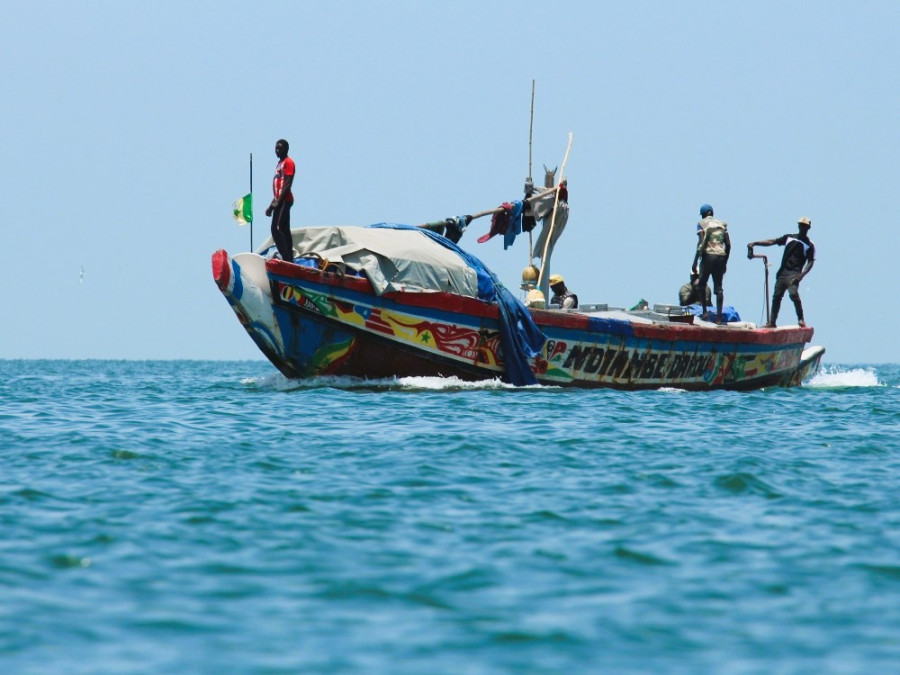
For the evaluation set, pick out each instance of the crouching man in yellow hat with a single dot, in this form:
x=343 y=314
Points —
x=562 y=296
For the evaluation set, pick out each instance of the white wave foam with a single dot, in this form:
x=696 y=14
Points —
x=836 y=376
x=279 y=382
x=439 y=383
x=272 y=381
x=827 y=377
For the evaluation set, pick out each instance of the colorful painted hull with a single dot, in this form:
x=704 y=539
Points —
x=310 y=323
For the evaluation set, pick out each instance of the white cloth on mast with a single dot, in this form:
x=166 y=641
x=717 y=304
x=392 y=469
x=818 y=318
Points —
x=542 y=207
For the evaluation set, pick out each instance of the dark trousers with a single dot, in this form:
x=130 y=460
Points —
x=787 y=281
x=281 y=231
x=712 y=266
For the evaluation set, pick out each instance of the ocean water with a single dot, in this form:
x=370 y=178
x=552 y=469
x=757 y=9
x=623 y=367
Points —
x=214 y=517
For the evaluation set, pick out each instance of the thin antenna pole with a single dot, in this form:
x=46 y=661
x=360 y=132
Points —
x=530 y=134
x=251 y=202
x=530 y=128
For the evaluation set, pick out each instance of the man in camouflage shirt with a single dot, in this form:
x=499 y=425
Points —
x=712 y=253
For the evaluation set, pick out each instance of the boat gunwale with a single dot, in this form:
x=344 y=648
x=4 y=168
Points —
x=785 y=336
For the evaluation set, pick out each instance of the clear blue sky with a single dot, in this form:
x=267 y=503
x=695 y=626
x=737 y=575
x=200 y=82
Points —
x=127 y=129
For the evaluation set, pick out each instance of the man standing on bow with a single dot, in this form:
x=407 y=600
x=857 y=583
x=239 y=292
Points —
x=282 y=201
x=797 y=261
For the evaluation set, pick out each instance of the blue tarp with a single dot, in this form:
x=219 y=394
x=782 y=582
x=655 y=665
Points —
x=728 y=313
x=521 y=338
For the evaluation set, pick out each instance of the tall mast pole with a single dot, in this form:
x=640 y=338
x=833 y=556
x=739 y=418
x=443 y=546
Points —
x=530 y=134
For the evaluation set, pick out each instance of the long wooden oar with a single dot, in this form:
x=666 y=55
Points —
x=562 y=172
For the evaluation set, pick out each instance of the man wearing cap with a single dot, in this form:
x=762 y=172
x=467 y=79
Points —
x=797 y=261
x=712 y=254
x=706 y=217
x=562 y=296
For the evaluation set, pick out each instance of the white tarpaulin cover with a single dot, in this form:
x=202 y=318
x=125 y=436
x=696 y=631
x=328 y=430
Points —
x=400 y=257
x=392 y=260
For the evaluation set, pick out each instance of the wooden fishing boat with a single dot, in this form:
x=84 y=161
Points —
x=395 y=301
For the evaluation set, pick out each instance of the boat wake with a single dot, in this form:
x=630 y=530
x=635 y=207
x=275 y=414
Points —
x=831 y=377
x=279 y=382
x=828 y=377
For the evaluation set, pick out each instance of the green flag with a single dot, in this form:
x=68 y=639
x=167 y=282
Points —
x=243 y=210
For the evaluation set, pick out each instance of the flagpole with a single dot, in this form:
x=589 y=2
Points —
x=251 y=202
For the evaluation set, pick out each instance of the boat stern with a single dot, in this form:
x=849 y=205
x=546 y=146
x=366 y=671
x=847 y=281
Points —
x=810 y=361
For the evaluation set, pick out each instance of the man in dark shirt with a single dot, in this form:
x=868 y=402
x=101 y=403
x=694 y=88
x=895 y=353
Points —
x=797 y=261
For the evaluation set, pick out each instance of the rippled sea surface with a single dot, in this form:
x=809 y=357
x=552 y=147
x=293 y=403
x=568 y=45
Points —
x=214 y=517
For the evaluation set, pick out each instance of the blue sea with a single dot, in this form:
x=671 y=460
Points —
x=215 y=517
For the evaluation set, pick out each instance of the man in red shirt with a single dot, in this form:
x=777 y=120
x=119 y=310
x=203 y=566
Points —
x=283 y=200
